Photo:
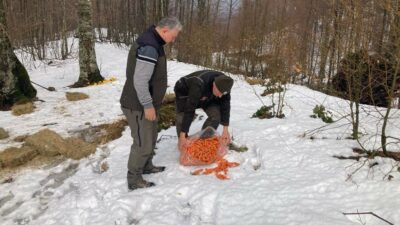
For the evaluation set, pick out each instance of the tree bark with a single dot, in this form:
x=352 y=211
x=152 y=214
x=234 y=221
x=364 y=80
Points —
x=15 y=85
x=89 y=71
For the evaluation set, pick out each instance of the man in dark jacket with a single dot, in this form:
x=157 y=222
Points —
x=206 y=89
x=143 y=92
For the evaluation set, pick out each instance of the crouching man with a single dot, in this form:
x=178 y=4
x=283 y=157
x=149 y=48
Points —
x=206 y=89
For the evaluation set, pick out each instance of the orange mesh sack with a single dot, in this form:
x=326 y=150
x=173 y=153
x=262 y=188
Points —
x=205 y=147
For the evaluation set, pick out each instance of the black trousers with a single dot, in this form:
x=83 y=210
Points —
x=213 y=118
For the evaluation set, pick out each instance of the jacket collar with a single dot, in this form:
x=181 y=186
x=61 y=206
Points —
x=157 y=35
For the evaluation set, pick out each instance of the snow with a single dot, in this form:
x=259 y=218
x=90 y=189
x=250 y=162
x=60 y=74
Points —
x=284 y=178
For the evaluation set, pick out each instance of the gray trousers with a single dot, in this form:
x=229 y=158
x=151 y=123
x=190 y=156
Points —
x=144 y=134
x=213 y=118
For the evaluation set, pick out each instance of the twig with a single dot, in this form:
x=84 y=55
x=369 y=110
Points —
x=368 y=213
x=164 y=136
x=318 y=129
x=395 y=138
x=49 y=89
x=391 y=170
x=258 y=96
x=349 y=176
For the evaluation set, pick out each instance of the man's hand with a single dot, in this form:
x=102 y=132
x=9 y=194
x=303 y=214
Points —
x=150 y=114
x=183 y=142
x=226 y=137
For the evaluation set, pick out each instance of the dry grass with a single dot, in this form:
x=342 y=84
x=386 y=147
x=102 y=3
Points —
x=167 y=116
x=13 y=156
x=76 y=96
x=37 y=162
x=3 y=133
x=21 y=109
x=47 y=147
x=21 y=138
x=111 y=131
x=47 y=142
x=104 y=167
x=78 y=149
x=255 y=81
x=169 y=98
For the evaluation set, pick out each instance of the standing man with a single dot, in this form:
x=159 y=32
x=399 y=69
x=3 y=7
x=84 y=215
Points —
x=144 y=90
x=206 y=89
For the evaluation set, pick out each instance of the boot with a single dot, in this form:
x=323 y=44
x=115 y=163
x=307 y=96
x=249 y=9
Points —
x=136 y=181
x=154 y=169
x=150 y=168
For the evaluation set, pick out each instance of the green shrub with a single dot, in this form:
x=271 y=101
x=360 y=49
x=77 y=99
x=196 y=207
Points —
x=270 y=89
x=263 y=113
x=319 y=112
x=235 y=147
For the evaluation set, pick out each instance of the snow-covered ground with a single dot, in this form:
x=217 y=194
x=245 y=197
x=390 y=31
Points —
x=284 y=178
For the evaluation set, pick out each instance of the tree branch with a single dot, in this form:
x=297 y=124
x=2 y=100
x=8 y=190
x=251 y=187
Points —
x=368 y=213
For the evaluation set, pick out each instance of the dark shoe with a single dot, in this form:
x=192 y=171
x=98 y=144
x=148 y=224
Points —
x=140 y=184
x=154 y=169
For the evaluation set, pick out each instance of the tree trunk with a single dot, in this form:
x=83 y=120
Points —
x=395 y=54
x=64 y=39
x=89 y=71
x=15 y=85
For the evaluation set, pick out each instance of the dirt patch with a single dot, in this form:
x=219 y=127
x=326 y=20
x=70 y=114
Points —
x=76 y=96
x=101 y=134
x=22 y=109
x=3 y=133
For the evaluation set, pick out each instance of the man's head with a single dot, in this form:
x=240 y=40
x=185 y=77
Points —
x=222 y=85
x=168 y=28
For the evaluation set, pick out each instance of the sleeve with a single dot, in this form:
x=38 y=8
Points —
x=192 y=101
x=225 y=109
x=146 y=60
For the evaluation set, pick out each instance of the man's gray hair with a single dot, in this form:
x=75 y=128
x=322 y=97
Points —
x=171 y=22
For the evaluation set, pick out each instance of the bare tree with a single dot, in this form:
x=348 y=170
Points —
x=15 y=85
x=89 y=71
x=394 y=44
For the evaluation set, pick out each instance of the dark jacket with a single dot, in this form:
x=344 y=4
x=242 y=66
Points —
x=158 y=81
x=195 y=91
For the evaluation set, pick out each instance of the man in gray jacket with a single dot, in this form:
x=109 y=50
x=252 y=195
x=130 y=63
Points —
x=143 y=92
